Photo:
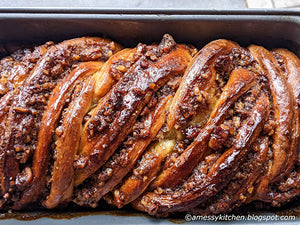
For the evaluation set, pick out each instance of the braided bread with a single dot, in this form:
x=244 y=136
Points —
x=162 y=127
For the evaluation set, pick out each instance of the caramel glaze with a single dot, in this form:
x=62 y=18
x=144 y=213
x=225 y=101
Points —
x=69 y=132
x=287 y=188
x=192 y=193
x=67 y=142
x=283 y=108
x=195 y=151
x=122 y=162
x=144 y=171
x=111 y=72
x=158 y=127
x=245 y=185
x=24 y=121
x=285 y=137
x=290 y=66
x=14 y=70
x=116 y=113
x=202 y=83
x=201 y=74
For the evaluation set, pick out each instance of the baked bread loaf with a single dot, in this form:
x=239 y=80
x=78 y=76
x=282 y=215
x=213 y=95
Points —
x=162 y=127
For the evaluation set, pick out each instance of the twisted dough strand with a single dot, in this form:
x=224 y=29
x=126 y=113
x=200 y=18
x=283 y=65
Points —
x=161 y=127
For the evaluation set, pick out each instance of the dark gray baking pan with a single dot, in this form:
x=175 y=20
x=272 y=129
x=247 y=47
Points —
x=37 y=25
x=268 y=28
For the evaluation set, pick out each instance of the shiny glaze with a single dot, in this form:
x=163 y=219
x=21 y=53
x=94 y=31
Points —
x=240 y=81
x=26 y=112
x=195 y=100
x=141 y=176
x=68 y=142
x=288 y=187
x=283 y=105
x=16 y=68
x=121 y=163
x=113 y=70
x=291 y=71
x=13 y=72
x=118 y=110
x=240 y=189
x=201 y=74
x=153 y=128
x=51 y=117
x=218 y=176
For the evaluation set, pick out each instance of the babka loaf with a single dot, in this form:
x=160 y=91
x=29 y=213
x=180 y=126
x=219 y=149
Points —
x=164 y=128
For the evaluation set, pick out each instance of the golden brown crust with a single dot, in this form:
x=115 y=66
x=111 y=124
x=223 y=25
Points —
x=26 y=112
x=152 y=126
x=201 y=76
x=67 y=142
x=120 y=164
x=218 y=176
x=283 y=105
x=117 y=111
x=291 y=70
x=239 y=82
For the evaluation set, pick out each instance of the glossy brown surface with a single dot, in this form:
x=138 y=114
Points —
x=121 y=163
x=116 y=113
x=25 y=114
x=239 y=82
x=68 y=140
x=163 y=128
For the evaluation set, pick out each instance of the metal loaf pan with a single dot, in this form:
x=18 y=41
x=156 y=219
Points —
x=271 y=29
x=268 y=28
